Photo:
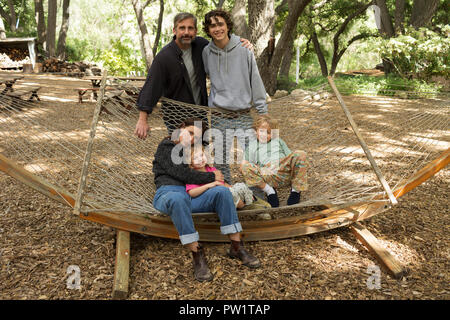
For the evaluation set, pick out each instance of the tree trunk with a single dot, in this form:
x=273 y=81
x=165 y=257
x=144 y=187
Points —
x=422 y=12
x=399 y=16
x=386 y=22
x=145 y=37
x=61 y=51
x=261 y=18
x=51 y=27
x=287 y=57
x=337 y=54
x=387 y=30
x=238 y=14
x=269 y=74
x=319 y=53
x=13 y=18
x=40 y=22
x=158 y=31
x=2 y=30
x=4 y=15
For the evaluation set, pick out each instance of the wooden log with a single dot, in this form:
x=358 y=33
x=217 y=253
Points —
x=27 y=68
x=38 y=67
x=122 y=267
x=384 y=257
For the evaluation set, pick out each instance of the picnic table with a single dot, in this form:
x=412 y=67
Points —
x=96 y=80
x=9 y=81
x=29 y=93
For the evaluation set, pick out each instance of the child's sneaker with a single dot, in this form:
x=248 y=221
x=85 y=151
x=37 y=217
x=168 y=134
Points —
x=273 y=200
x=258 y=203
x=294 y=198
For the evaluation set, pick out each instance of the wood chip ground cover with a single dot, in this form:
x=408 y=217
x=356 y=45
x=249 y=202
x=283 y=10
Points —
x=40 y=239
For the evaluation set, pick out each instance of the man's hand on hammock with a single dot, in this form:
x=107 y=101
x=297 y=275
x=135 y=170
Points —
x=142 y=129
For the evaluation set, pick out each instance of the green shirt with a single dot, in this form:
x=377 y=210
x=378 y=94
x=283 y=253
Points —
x=263 y=153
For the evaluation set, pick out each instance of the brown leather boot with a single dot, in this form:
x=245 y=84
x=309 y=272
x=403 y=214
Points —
x=238 y=251
x=201 y=270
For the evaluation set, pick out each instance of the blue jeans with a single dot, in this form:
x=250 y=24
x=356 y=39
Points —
x=176 y=202
x=241 y=128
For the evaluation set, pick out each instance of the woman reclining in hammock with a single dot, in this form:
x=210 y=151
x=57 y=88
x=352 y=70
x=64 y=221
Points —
x=172 y=199
x=270 y=164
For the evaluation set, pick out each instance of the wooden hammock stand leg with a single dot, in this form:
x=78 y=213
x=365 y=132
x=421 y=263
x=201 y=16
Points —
x=384 y=257
x=122 y=267
x=362 y=234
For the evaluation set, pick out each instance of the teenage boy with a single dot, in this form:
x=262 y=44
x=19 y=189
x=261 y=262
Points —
x=236 y=85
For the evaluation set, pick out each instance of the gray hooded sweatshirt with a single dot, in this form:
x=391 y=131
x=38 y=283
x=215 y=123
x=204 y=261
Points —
x=235 y=80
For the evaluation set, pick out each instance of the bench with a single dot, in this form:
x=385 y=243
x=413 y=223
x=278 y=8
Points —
x=82 y=92
x=31 y=91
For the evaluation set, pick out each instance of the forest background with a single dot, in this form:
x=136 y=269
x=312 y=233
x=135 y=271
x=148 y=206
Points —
x=410 y=38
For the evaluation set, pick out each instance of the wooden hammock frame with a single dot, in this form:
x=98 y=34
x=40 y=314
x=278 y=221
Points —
x=161 y=226
x=308 y=223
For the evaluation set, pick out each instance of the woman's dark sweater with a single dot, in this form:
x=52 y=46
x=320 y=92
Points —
x=168 y=173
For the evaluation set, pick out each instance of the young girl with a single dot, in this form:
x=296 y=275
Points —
x=242 y=195
x=270 y=164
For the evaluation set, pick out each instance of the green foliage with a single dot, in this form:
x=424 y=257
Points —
x=79 y=50
x=419 y=53
x=25 y=15
x=362 y=84
x=121 y=58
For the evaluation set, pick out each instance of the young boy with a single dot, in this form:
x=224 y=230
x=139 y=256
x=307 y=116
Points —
x=269 y=163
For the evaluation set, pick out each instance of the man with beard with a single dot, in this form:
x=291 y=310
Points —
x=177 y=73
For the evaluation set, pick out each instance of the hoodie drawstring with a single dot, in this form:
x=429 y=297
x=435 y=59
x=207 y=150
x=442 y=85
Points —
x=218 y=63
x=226 y=61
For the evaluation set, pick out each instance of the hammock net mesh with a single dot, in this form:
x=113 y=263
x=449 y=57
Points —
x=50 y=141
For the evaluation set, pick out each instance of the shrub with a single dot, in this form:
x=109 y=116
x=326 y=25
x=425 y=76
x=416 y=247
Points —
x=121 y=59
x=418 y=53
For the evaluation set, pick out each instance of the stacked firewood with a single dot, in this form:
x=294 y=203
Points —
x=15 y=54
x=6 y=61
x=60 y=66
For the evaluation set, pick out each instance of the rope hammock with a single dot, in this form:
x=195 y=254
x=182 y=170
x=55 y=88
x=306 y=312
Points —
x=93 y=155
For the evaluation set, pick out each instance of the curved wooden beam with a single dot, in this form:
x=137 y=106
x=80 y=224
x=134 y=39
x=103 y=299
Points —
x=253 y=230
x=35 y=182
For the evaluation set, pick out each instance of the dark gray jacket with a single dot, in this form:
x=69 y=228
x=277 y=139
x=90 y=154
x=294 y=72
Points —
x=168 y=76
x=168 y=173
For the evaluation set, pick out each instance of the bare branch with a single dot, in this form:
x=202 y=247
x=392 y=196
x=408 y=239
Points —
x=356 y=38
x=158 y=31
x=145 y=5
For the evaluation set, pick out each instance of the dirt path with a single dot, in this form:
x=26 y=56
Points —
x=40 y=239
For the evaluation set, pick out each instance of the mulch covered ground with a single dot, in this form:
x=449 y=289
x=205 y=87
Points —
x=40 y=239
